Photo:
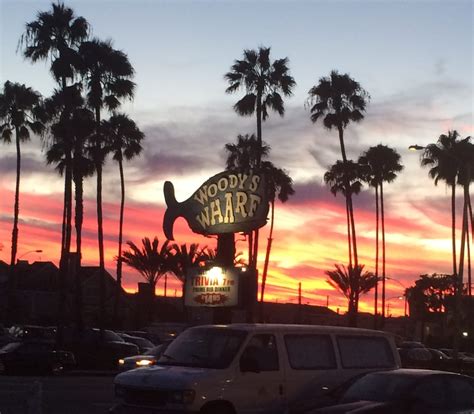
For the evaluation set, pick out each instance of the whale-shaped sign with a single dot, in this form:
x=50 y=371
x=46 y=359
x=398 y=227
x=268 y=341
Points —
x=229 y=202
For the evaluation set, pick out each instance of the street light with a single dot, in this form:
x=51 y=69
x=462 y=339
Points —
x=388 y=304
x=30 y=251
x=404 y=292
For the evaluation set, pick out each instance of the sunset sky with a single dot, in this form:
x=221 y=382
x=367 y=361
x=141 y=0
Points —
x=414 y=58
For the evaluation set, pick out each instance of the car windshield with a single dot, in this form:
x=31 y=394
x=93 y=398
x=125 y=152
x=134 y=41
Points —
x=204 y=348
x=112 y=336
x=379 y=387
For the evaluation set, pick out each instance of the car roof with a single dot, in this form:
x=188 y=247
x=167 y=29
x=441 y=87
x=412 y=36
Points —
x=251 y=327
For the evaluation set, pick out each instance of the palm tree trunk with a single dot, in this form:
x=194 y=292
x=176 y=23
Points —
x=349 y=237
x=267 y=259
x=16 y=213
x=259 y=127
x=354 y=239
x=66 y=248
x=119 y=255
x=453 y=224
x=469 y=206
x=79 y=216
x=250 y=242
x=16 y=208
x=376 y=294
x=166 y=285
x=459 y=281
x=340 y=130
x=382 y=219
x=100 y=235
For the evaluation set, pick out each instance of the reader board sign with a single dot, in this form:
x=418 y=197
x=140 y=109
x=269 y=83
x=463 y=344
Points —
x=214 y=287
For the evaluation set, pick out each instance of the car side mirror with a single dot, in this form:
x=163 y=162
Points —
x=249 y=363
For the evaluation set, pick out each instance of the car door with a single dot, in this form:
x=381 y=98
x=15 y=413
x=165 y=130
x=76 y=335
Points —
x=260 y=382
x=429 y=396
x=460 y=393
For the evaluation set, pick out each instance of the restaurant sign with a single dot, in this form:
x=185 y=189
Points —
x=229 y=202
x=212 y=287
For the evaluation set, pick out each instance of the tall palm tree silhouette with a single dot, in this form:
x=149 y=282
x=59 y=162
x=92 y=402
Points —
x=55 y=36
x=244 y=156
x=351 y=282
x=106 y=74
x=380 y=164
x=442 y=159
x=339 y=100
x=264 y=83
x=345 y=178
x=71 y=135
x=124 y=139
x=20 y=114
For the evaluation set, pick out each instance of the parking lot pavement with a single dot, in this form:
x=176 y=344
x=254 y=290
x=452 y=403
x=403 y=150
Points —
x=72 y=394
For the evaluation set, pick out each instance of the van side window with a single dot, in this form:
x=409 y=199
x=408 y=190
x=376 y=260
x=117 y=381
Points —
x=310 y=351
x=365 y=352
x=263 y=348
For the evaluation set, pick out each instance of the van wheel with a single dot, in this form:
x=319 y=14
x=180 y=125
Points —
x=218 y=408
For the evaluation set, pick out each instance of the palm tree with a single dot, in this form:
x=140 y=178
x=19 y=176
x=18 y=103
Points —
x=70 y=136
x=124 y=138
x=339 y=100
x=351 y=282
x=185 y=258
x=106 y=74
x=263 y=83
x=244 y=156
x=442 y=160
x=20 y=114
x=55 y=36
x=150 y=260
x=279 y=184
x=345 y=177
x=381 y=164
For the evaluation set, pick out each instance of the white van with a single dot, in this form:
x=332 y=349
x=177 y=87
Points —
x=252 y=368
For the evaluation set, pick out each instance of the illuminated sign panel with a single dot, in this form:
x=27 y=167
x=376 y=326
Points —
x=229 y=202
x=212 y=287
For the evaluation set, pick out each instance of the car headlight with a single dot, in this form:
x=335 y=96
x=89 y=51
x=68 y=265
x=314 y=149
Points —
x=144 y=362
x=121 y=361
x=182 y=397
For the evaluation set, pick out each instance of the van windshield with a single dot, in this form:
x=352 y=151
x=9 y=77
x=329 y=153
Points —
x=204 y=348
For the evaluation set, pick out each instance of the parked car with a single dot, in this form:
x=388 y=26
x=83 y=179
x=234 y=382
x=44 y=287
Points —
x=415 y=357
x=34 y=357
x=93 y=352
x=407 y=391
x=441 y=361
x=144 y=345
x=253 y=367
x=148 y=358
x=143 y=334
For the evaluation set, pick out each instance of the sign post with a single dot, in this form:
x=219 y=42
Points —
x=227 y=203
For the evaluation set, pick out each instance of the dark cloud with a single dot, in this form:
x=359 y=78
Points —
x=29 y=164
x=315 y=192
